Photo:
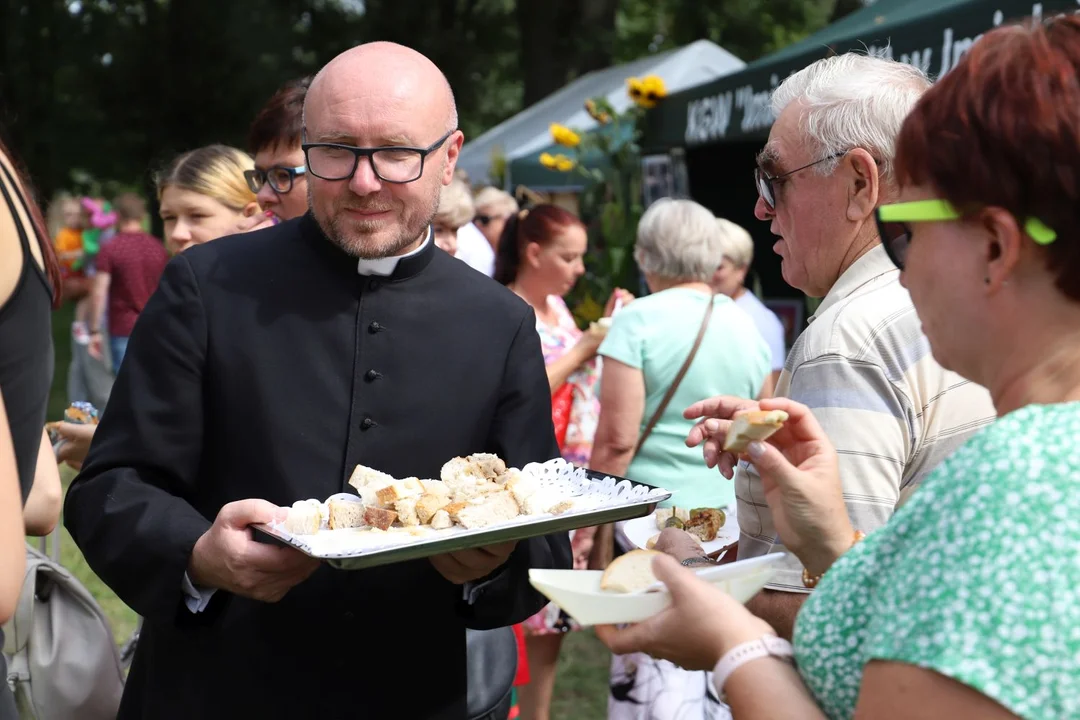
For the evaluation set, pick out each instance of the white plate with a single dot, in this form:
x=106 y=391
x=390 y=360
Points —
x=640 y=530
x=578 y=591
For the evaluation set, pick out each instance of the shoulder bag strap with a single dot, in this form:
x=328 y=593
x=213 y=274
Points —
x=678 y=378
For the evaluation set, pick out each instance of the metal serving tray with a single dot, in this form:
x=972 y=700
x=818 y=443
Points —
x=438 y=542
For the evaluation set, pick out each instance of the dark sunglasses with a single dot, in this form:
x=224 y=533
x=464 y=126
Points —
x=279 y=178
x=894 y=225
x=766 y=183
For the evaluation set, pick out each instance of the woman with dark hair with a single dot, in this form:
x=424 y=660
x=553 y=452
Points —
x=279 y=176
x=29 y=290
x=966 y=604
x=540 y=257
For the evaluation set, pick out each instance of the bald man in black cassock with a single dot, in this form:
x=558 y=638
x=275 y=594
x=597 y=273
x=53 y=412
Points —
x=262 y=371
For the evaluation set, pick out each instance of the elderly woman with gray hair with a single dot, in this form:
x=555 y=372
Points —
x=660 y=355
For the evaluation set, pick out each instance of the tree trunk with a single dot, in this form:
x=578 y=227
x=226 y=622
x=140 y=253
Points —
x=545 y=65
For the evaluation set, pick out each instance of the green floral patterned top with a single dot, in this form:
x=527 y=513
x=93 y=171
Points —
x=977 y=577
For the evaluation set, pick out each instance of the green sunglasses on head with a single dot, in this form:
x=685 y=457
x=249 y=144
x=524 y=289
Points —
x=892 y=222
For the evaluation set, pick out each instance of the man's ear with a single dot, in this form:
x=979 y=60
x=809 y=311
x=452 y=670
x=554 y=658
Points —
x=453 y=150
x=864 y=189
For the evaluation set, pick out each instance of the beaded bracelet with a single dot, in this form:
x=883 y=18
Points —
x=812 y=581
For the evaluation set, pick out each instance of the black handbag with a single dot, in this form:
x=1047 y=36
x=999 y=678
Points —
x=491 y=662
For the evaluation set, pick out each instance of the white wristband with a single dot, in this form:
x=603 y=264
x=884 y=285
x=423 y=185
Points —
x=736 y=657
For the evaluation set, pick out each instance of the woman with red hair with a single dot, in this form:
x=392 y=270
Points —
x=966 y=604
x=540 y=257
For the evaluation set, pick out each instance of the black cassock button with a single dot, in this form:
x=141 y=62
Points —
x=372 y=375
x=367 y=424
x=374 y=327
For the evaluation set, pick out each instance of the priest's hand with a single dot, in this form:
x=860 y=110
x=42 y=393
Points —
x=468 y=565
x=227 y=558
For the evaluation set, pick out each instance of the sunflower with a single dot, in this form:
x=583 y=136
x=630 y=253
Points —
x=646 y=92
x=596 y=113
x=565 y=136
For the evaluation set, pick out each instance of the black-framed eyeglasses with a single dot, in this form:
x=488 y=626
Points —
x=280 y=179
x=394 y=164
x=766 y=183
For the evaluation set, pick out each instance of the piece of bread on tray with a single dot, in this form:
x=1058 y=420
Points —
x=488 y=510
x=406 y=510
x=545 y=500
x=379 y=517
x=345 y=514
x=398 y=490
x=489 y=465
x=304 y=518
x=363 y=476
x=460 y=471
x=751 y=425
x=428 y=504
x=441 y=520
x=435 y=487
x=630 y=572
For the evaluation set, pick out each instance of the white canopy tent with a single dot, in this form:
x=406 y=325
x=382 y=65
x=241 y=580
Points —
x=527 y=132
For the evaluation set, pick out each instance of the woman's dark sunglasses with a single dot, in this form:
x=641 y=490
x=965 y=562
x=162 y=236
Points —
x=279 y=178
x=894 y=228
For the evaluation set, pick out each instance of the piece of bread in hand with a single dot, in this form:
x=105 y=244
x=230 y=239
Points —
x=488 y=510
x=363 y=476
x=303 y=518
x=406 y=510
x=631 y=572
x=752 y=425
x=345 y=514
x=379 y=517
x=428 y=504
x=441 y=520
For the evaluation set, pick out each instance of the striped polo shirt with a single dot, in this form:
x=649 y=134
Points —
x=864 y=367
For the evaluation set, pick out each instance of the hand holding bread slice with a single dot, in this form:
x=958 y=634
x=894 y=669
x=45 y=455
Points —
x=752 y=425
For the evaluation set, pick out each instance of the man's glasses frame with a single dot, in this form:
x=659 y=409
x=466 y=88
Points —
x=371 y=154
x=257 y=178
x=893 y=222
x=766 y=183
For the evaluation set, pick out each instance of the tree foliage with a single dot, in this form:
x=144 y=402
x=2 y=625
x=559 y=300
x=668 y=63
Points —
x=94 y=92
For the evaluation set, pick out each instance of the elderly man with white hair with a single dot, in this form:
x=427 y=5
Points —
x=863 y=364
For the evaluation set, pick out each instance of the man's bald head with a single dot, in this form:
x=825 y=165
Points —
x=394 y=110
x=390 y=69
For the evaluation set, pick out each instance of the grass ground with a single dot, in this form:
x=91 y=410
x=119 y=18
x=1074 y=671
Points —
x=581 y=682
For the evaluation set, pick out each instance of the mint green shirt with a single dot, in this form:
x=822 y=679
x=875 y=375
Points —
x=654 y=334
x=976 y=577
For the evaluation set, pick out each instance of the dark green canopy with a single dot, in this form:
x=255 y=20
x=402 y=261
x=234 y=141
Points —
x=930 y=34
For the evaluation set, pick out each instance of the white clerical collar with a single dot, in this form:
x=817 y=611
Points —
x=385 y=267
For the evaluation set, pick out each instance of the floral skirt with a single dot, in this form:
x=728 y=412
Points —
x=552 y=620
